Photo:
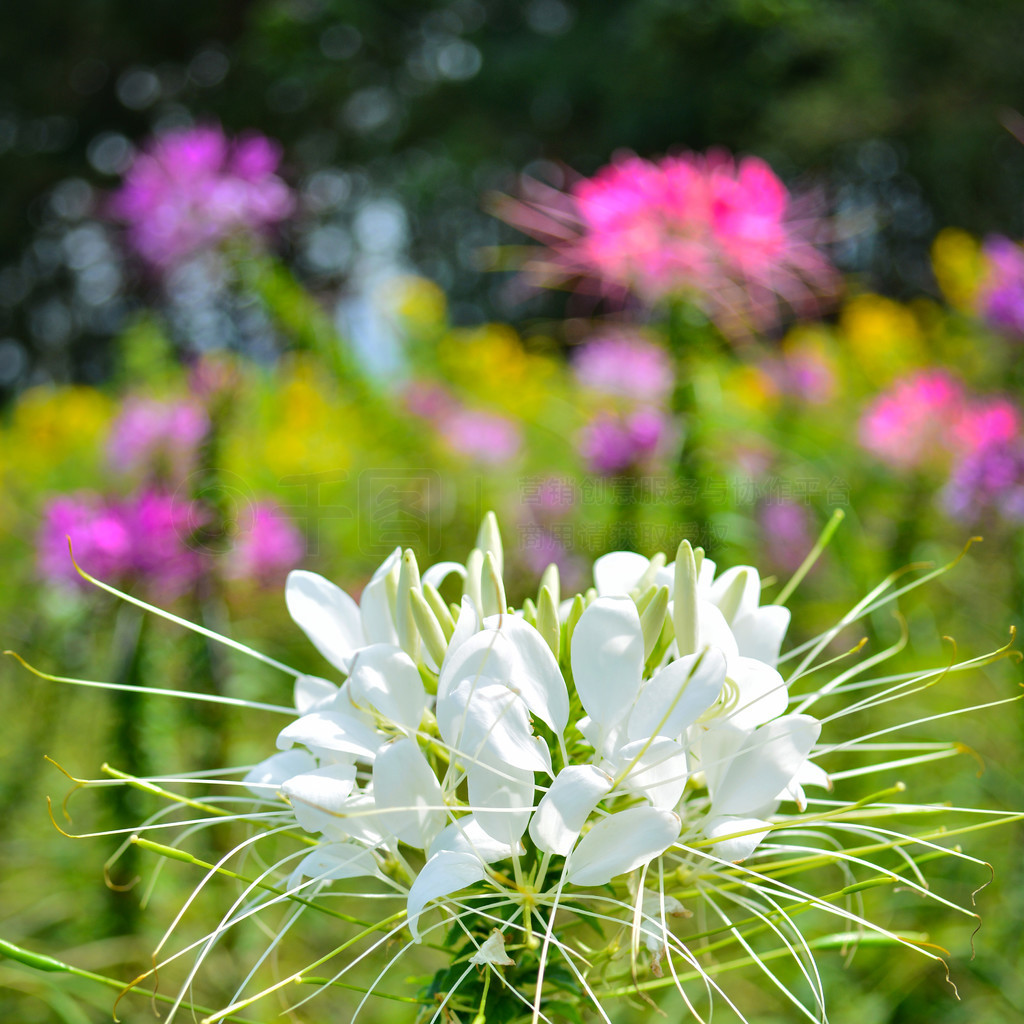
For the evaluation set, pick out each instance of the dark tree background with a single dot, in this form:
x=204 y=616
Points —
x=894 y=110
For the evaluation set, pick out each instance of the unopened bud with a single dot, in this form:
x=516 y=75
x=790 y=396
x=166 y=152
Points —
x=488 y=538
x=429 y=628
x=652 y=620
x=408 y=581
x=552 y=579
x=684 y=600
x=547 y=620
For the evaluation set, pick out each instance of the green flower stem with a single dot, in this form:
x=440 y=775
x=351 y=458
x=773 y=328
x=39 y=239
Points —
x=39 y=962
x=813 y=555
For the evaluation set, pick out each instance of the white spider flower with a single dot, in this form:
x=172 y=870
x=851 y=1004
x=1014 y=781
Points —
x=547 y=776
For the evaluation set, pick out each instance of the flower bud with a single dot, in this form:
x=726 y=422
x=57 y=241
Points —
x=684 y=603
x=547 y=620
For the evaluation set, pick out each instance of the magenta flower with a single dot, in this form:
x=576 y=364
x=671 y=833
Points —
x=928 y=419
x=145 y=538
x=987 y=482
x=100 y=538
x=612 y=443
x=620 y=363
x=157 y=439
x=1001 y=295
x=192 y=188
x=909 y=426
x=724 y=235
x=267 y=547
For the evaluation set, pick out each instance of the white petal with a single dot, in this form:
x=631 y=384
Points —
x=492 y=951
x=407 y=793
x=374 y=607
x=312 y=691
x=733 y=846
x=265 y=778
x=502 y=800
x=320 y=794
x=326 y=614
x=330 y=730
x=437 y=574
x=763 y=765
x=536 y=676
x=759 y=634
x=658 y=770
x=442 y=875
x=565 y=807
x=385 y=678
x=465 y=835
x=487 y=654
x=677 y=695
x=334 y=861
x=714 y=631
x=608 y=659
x=485 y=720
x=620 y=843
x=616 y=573
x=762 y=693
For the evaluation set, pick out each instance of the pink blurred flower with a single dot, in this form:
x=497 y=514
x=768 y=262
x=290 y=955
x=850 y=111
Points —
x=724 y=235
x=618 y=363
x=929 y=419
x=483 y=436
x=100 y=538
x=267 y=546
x=1001 y=294
x=613 y=443
x=144 y=538
x=157 y=438
x=787 y=534
x=804 y=375
x=192 y=188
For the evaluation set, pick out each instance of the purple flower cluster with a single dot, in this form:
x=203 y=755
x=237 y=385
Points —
x=157 y=438
x=987 y=482
x=1001 y=295
x=632 y=379
x=150 y=539
x=192 y=188
x=144 y=538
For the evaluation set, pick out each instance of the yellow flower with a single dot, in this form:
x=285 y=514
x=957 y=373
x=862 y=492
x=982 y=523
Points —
x=491 y=362
x=959 y=266
x=883 y=336
x=750 y=387
x=419 y=301
x=50 y=426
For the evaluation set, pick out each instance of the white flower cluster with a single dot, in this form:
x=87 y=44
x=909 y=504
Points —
x=602 y=730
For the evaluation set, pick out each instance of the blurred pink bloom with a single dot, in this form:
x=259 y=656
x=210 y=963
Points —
x=1001 y=295
x=162 y=526
x=803 y=375
x=613 y=443
x=157 y=438
x=193 y=187
x=722 y=234
x=619 y=363
x=483 y=436
x=929 y=419
x=144 y=538
x=100 y=539
x=268 y=545
x=787 y=534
